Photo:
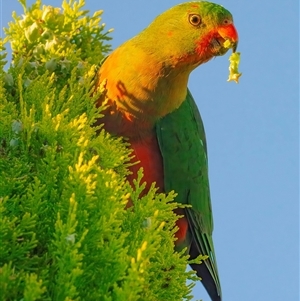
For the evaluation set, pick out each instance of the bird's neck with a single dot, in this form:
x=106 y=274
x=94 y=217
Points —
x=163 y=96
x=159 y=88
x=143 y=88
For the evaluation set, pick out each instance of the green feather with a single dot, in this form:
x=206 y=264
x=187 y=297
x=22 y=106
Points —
x=182 y=141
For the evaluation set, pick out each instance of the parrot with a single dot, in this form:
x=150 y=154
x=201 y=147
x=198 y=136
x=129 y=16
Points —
x=150 y=105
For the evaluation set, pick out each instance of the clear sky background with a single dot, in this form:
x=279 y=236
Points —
x=253 y=141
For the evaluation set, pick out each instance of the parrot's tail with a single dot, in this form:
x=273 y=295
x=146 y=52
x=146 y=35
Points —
x=203 y=272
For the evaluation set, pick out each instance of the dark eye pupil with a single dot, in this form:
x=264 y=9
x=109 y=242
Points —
x=195 y=19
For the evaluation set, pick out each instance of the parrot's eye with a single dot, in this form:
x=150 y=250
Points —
x=227 y=21
x=195 y=19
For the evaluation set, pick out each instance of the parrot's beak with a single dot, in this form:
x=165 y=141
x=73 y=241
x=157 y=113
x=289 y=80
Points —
x=234 y=47
x=228 y=32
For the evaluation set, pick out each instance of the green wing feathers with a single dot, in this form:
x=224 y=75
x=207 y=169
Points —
x=182 y=141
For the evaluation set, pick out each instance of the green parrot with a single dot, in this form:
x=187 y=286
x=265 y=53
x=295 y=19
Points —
x=149 y=103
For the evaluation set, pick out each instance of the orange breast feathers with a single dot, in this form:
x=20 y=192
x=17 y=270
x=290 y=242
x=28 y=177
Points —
x=142 y=86
x=147 y=152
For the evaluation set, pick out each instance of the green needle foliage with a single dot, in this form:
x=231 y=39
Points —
x=64 y=233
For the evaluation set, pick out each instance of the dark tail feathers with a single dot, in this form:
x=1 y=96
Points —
x=206 y=278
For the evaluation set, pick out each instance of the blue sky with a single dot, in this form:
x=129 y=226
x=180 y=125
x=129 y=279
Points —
x=253 y=141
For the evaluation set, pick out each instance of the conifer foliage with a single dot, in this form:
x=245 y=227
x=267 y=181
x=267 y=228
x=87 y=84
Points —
x=64 y=233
